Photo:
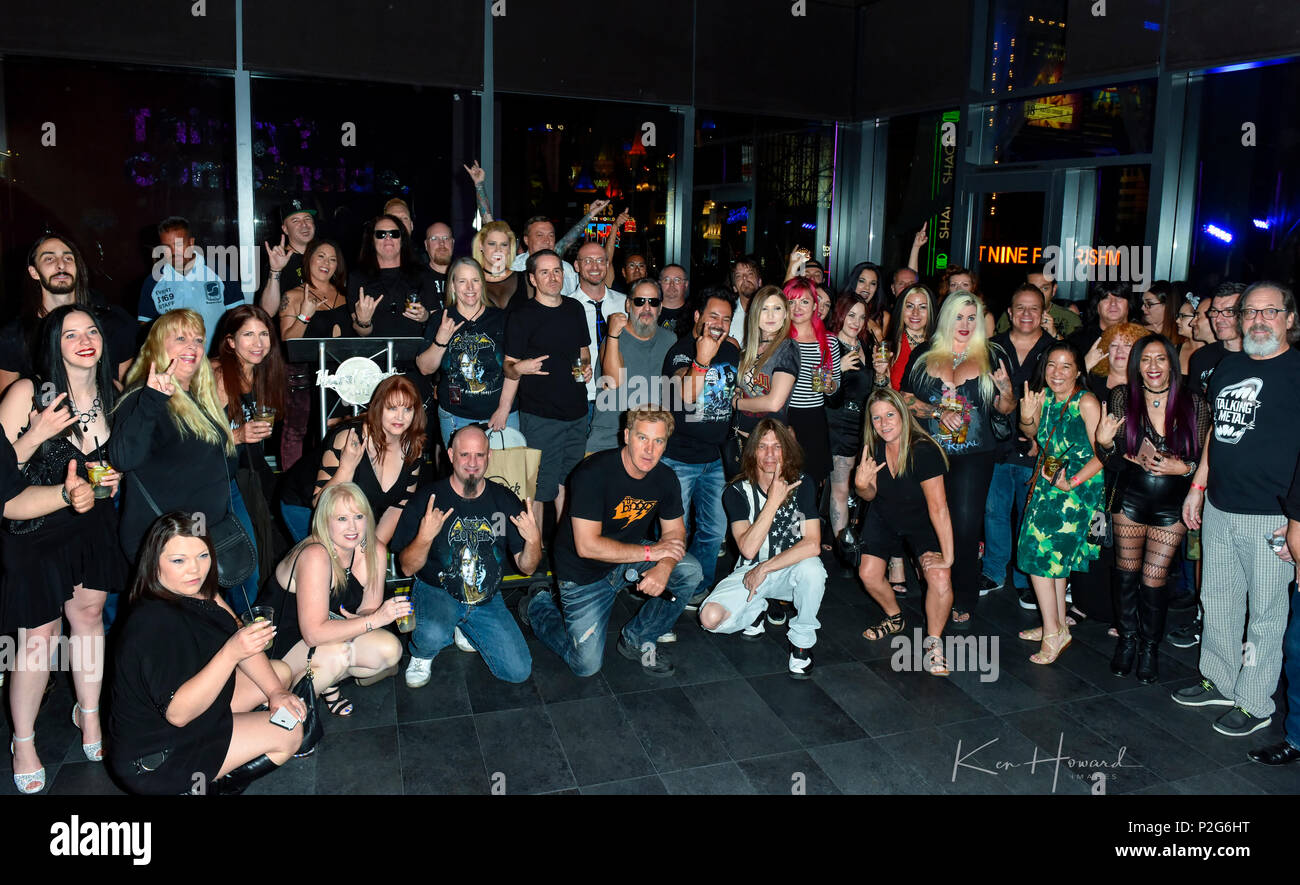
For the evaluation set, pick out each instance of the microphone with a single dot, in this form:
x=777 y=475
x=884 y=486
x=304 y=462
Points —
x=632 y=575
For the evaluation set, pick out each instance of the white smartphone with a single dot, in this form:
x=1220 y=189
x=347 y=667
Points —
x=283 y=718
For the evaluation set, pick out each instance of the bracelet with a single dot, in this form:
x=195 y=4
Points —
x=302 y=319
x=439 y=343
x=1198 y=488
x=275 y=274
x=369 y=626
x=612 y=337
x=63 y=490
x=647 y=552
x=1030 y=423
x=935 y=415
x=360 y=325
x=1075 y=482
x=698 y=367
x=1191 y=468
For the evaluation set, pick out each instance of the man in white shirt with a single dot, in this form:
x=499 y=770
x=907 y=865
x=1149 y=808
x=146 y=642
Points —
x=539 y=234
x=181 y=279
x=599 y=302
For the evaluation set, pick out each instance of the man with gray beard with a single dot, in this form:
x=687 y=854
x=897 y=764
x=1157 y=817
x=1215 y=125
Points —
x=1243 y=477
x=631 y=364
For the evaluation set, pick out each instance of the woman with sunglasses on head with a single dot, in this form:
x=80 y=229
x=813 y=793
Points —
x=328 y=594
x=250 y=374
x=769 y=366
x=1060 y=413
x=1152 y=436
x=66 y=563
x=187 y=678
x=466 y=346
x=960 y=388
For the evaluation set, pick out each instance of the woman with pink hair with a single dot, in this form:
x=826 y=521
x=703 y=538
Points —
x=819 y=376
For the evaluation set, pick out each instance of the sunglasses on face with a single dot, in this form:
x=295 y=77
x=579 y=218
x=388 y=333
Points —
x=386 y=235
x=642 y=302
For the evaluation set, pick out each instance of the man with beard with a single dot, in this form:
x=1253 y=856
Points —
x=746 y=279
x=55 y=263
x=439 y=243
x=1244 y=475
x=456 y=551
x=630 y=364
x=297 y=230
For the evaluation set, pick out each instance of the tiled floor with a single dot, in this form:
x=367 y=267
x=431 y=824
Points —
x=732 y=721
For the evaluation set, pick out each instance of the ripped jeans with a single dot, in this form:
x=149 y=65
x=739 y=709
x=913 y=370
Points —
x=578 y=634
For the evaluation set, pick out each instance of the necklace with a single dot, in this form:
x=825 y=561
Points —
x=347 y=571
x=958 y=359
x=87 y=417
x=1155 y=402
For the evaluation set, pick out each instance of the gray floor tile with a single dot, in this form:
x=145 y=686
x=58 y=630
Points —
x=522 y=752
x=742 y=721
x=442 y=757
x=598 y=741
x=674 y=735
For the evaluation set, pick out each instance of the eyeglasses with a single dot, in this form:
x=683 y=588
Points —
x=1268 y=313
x=1187 y=316
x=640 y=265
x=594 y=261
x=440 y=239
x=1150 y=304
x=1227 y=312
x=642 y=302
x=671 y=281
x=386 y=234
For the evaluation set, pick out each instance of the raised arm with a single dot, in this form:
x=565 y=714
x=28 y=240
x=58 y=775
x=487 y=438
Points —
x=579 y=230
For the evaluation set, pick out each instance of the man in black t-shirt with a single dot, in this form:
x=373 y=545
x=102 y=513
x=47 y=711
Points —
x=772 y=509
x=457 y=553
x=1249 y=459
x=675 y=285
x=702 y=371
x=284 y=261
x=619 y=498
x=547 y=340
x=1223 y=320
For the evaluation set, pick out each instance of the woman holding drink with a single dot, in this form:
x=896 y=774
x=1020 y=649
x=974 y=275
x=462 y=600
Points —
x=844 y=407
x=187 y=678
x=63 y=564
x=819 y=375
x=960 y=386
x=329 y=591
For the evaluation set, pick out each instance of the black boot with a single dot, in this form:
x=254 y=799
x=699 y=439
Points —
x=238 y=780
x=1152 y=606
x=1125 y=587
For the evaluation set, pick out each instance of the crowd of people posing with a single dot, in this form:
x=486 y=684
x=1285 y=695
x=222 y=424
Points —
x=882 y=424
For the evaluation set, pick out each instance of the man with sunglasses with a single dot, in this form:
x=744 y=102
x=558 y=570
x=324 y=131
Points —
x=1223 y=320
x=598 y=302
x=1238 y=489
x=631 y=364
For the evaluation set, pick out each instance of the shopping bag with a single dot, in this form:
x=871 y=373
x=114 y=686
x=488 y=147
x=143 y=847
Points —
x=514 y=467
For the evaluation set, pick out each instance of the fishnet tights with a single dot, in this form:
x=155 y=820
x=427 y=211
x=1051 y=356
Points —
x=1146 y=547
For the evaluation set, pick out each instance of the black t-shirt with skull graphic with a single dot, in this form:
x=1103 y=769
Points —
x=472 y=371
x=1256 y=437
x=468 y=558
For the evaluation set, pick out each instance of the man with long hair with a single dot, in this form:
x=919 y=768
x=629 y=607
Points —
x=772 y=509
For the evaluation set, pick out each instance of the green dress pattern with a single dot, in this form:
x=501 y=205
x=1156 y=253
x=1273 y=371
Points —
x=1054 y=536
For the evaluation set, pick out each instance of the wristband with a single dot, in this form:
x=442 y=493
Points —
x=63 y=490
x=275 y=274
x=359 y=324
x=439 y=343
x=612 y=337
x=698 y=367
x=647 y=552
x=1198 y=488
x=1075 y=482
x=302 y=319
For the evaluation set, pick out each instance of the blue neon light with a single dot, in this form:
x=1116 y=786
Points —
x=1218 y=233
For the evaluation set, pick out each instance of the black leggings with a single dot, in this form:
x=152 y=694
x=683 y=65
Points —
x=967 y=486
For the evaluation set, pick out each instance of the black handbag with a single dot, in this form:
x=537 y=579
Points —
x=236 y=555
x=313 y=727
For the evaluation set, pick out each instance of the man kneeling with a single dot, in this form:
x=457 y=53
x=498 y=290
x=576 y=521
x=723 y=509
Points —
x=772 y=509
x=456 y=552
x=614 y=497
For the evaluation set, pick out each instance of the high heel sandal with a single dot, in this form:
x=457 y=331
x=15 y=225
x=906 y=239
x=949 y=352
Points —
x=1035 y=634
x=932 y=660
x=335 y=702
x=888 y=627
x=94 y=752
x=24 y=781
x=1054 y=651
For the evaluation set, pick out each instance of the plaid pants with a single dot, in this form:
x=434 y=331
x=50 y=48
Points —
x=1242 y=574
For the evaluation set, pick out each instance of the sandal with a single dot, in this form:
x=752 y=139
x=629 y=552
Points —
x=888 y=627
x=24 y=782
x=94 y=752
x=335 y=702
x=1050 y=652
x=933 y=660
x=960 y=619
x=1033 y=634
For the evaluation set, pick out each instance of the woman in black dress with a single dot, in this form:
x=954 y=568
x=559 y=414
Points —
x=187 y=677
x=381 y=454
x=960 y=385
x=844 y=407
x=866 y=281
x=902 y=475
x=66 y=563
x=1155 y=407
x=171 y=439
x=328 y=594
x=319 y=307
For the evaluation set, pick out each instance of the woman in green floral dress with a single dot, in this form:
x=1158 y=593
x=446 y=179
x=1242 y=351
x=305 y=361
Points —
x=1067 y=488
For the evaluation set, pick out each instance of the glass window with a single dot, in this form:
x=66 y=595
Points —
x=1026 y=44
x=103 y=153
x=1104 y=122
x=921 y=188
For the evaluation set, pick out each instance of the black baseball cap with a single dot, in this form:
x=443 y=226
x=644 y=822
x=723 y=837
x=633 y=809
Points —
x=293 y=207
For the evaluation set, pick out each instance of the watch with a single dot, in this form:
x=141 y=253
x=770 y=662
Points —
x=935 y=414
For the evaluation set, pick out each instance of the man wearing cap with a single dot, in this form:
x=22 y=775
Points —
x=297 y=229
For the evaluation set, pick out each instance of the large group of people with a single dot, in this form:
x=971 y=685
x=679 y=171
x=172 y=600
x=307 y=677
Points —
x=1099 y=461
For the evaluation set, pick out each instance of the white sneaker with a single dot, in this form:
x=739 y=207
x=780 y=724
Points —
x=463 y=643
x=670 y=636
x=417 y=672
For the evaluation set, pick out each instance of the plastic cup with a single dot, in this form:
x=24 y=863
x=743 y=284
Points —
x=262 y=613
x=97 y=473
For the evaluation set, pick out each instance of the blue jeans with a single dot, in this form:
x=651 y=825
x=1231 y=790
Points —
x=243 y=595
x=1291 y=658
x=703 y=483
x=297 y=520
x=578 y=634
x=449 y=423
x=488 y=625
x=1002 y=514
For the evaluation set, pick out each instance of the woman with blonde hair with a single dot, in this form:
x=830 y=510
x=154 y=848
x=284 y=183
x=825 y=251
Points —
x=171 y=439
x=959 y=386
x=494 y=250
x=328 y=595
